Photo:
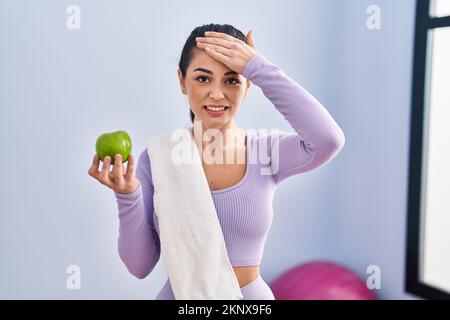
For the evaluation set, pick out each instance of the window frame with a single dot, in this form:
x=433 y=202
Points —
x=425 y=22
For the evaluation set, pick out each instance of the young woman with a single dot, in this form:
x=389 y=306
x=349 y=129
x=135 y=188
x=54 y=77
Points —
x=217 y=66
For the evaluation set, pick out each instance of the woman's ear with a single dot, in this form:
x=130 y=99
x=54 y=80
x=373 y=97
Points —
x=248 y=86
x=181 y=80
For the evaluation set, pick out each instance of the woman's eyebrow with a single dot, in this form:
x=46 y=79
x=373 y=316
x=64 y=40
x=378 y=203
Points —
x=210 y=72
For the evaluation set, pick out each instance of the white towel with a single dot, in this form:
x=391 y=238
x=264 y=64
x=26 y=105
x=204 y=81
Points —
x=192 y=244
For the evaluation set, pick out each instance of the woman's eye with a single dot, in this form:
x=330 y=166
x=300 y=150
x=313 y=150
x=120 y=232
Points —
x=198 y=79
x=236 y=80
x=232 y=81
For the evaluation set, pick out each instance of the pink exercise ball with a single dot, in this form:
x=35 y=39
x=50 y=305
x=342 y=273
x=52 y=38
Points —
x=321 y=280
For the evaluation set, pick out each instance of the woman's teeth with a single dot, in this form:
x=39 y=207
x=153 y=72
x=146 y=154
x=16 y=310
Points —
x=215 y=108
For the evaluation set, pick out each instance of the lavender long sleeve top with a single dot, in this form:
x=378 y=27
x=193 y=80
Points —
x=245 y=209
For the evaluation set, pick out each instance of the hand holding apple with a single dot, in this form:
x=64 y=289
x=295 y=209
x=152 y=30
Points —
x=112 y=147
x=112 y=143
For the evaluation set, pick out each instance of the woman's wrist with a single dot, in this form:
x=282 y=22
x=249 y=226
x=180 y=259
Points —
x=130 y=192
x=252 y=65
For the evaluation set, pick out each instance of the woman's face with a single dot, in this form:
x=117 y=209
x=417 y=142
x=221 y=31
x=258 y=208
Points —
x=210 y=82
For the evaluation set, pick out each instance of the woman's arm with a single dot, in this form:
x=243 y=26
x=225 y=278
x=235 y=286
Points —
x=138 y=242
x=317 y=138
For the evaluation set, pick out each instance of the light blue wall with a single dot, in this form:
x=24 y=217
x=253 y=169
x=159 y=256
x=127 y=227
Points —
x=60 y=89
x=353 y=210
x=370 y=186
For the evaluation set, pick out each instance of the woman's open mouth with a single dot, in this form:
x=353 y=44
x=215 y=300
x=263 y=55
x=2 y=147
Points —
x=215 y=111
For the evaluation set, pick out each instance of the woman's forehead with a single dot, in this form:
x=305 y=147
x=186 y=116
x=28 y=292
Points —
x=202 y=60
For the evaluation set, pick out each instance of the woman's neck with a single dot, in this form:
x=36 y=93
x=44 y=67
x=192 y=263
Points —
x=231 y=135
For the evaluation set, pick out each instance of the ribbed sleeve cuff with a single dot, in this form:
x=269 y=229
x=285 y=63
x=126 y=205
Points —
x=252 y=65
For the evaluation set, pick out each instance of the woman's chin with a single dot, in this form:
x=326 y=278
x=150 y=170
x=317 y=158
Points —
x=206 y=118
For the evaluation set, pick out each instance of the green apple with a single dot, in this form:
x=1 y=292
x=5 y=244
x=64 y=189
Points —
x=112 y=143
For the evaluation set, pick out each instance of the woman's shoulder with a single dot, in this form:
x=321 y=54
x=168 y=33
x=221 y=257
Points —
x=160 y=138
x=143 y=167
x=143 y=156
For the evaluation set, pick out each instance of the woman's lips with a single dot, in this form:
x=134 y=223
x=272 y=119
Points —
x=215 y=113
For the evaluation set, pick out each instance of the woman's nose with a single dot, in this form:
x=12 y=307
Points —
x=216 y=93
